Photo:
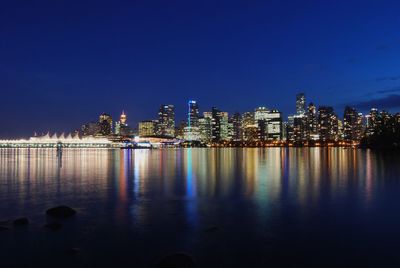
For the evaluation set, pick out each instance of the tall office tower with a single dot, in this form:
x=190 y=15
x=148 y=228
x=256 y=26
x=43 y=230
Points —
x=328 y=123
x=236 y=127
x=121 y=125
x=224 y=127
x=148 y=128
x=90 y=129
x=191 y=131
x=215 y=124
x=371 y=121
x=312 y=122
x=166 y=121
x=260 y=113
x=123 y=118
x=249 y=127
x=352 y=126
x=105 y=123
x=300 y=104
x=274 y=129
x=193 y=114
x=300 y=128
x=205 y=128
x=289 y=129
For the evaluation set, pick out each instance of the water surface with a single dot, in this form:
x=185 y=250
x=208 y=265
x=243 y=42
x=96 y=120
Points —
x=251 y=207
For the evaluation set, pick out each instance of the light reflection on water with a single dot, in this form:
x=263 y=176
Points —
x=176 y=193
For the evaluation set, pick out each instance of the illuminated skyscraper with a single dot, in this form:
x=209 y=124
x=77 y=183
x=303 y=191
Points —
x=312 y=121
x=191 y=132
x=147 y=128
x=352 y=124
x=328 y=123
x=236 y=127
x=166 y=121
x=300 y=104
x=193 y=114
x=105 y=122
x=121 y=125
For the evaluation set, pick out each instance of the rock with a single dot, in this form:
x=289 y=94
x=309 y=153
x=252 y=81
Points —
x=72 y=251
x=177 y=260
x=54 y=226
x=3 y=228
x=21 y=221
x=61 y=212
x=211 y=229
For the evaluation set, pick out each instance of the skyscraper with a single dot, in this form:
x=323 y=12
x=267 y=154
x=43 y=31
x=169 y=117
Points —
x=352 y=126
x=105 y=123
x=328 y=123
x=121 y=124
x=166 y=120
x=300 y=104
x=236 y=127
x=193 y=114
x=147 y=128
x=191 y=131
x=312 y=121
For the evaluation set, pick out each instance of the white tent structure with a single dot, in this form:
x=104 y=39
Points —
x=54 y=141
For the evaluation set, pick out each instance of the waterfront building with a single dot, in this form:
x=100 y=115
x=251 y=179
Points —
x=225 y=127
x=148 y=128
x=105 y=122
x=192 y=131
x=274 y=125
x=205 y=128
x=193 y=114
x=121 y=125
x=352 y=124
x=236 y=121
x=166 y=121
x=312 y=121
x=328 y=123
x=90 y=129
x=249 y=127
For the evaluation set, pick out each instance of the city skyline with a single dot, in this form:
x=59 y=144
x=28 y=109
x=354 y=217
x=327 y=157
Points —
x=62 y=64
x=300 y=104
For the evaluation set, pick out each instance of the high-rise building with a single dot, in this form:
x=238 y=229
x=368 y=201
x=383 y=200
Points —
x=121 y=125
x=205 y=128
x=274 y=125
x=193 y=114
x=300 y=104
x=166 y=121
x=105 y=122
x=260 y=113
x=147 y=128
x=312 y=122
x=216 y=124
x=191 y=131
x=352 y=124
x=328 y=123
x=236 y=127
x=90 y=129
x=225 y=134
x=249 y=127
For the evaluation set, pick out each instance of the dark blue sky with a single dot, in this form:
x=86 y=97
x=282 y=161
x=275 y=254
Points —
x=64 y=62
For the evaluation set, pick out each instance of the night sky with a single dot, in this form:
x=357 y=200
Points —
x=62 y=63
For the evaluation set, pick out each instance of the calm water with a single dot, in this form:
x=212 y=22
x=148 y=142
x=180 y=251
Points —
x=226 y=207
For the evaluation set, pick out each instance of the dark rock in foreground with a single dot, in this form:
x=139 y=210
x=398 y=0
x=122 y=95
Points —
x=61 y=212
x=211 y=229
x=72 y=251
x=21 y=221
x=177 y=260
x=54 y=226
x=3 y=228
